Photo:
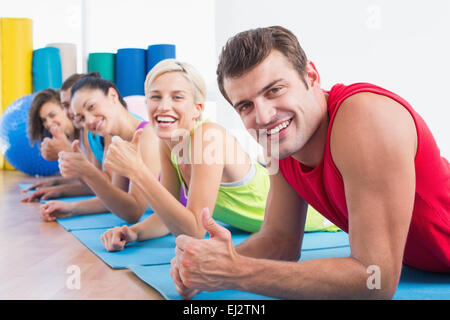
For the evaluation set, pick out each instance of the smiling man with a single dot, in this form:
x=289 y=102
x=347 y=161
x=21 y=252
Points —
x=359 y=154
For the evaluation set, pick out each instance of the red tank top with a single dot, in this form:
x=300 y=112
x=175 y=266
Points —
x=428 y=242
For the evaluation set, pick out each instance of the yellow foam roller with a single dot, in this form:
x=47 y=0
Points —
x=2 y=161
x=16 y=51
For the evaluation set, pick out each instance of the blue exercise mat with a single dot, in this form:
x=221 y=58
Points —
x=414 y=284
x=159 y=278
x=92 y=221
x=24 y=186
x=97 y=221
x=422 y=285
x=69 y=199
x=340 y=252
x=324 y=240
x=161 y=250
x=149 y=252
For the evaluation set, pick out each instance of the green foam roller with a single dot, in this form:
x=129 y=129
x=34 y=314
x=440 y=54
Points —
x=104 y=63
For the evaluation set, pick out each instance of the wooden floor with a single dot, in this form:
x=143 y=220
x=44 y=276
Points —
x=35 y=256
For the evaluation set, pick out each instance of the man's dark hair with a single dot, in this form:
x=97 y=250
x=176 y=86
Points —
x=247 y=49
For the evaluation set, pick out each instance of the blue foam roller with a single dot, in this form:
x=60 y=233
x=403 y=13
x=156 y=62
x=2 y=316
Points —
x=14 y=143
x=159 y=52
x=46 y=68
x=130 y=71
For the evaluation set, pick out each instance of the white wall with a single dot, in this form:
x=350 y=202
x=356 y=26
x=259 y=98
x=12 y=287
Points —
x=53 y=20
x=402 y=45
x=115 y=24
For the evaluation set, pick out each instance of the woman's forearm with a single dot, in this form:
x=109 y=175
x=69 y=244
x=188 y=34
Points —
x=60 y=181
x=74 y=189
x=116 y=200
x=150 y=228
x=90 y=206
x=177 y=218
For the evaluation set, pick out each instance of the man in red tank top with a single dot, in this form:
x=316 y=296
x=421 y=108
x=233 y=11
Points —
x=359 y=154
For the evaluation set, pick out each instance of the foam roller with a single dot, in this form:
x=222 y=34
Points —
x=104 y=63
x=47 y=71
x=68 y=55
x=16 y=50
x=130 y=71
x=158 y=52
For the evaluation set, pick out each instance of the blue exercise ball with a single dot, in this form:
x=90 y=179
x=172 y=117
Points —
x=14 y=143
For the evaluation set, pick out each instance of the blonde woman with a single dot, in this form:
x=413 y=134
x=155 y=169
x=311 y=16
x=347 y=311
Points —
x=198 y=155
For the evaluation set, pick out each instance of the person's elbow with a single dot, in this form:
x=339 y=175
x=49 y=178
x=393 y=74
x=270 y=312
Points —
x=289 y=247
x=379 y=282
x=385 y=292
x=292 y=252
x=133 y=216
x=388 y=288
x=131 y=219
x=197 y=230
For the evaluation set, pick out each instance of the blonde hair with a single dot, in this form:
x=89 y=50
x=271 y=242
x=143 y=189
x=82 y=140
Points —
x=188 y=71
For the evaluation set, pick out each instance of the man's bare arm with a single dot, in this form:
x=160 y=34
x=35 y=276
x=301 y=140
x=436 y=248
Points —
x=280 y=236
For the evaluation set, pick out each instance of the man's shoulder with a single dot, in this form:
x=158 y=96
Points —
x=365 y=108
x=368 y=125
